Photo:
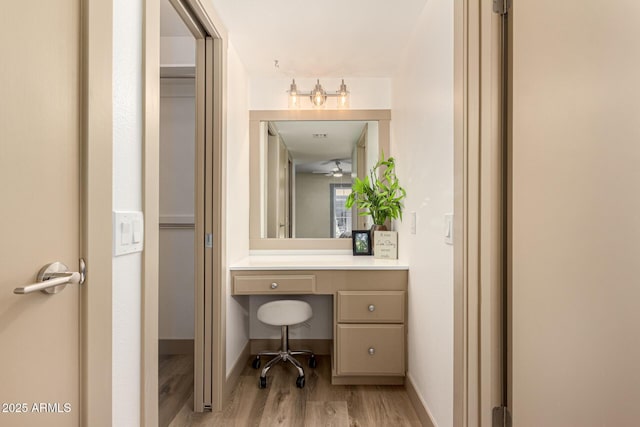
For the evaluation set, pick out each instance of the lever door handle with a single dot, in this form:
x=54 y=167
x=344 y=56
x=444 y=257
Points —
x=52 y=278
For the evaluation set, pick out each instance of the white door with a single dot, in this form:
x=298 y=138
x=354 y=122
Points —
x=576 y=213
x=39 y=211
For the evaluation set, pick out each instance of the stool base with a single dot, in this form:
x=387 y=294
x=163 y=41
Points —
x=284 y=355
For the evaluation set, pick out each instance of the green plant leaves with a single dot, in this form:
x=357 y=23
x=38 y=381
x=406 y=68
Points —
x=381 y=200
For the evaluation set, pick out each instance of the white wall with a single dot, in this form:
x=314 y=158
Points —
x=366 y=93
x=422 y=142
x=237 y=198
x=127 y=195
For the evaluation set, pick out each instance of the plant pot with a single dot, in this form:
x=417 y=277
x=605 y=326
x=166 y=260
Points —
x=372 y=232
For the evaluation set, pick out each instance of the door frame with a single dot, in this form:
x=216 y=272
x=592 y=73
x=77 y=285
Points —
x=478 y=219
x=213 y=284
x=96 y=189
x=151 y=212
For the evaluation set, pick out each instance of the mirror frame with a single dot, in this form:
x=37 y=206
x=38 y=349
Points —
x=256 y=242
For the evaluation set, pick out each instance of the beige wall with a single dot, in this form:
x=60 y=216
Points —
x=177 y=51
x=373 y=152
x=177 y=192
x=312 y=205
x=422 y=142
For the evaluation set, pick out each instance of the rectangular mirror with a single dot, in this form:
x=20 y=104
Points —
x=302 y=166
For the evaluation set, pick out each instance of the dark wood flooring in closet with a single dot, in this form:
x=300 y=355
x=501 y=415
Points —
x=283 y=404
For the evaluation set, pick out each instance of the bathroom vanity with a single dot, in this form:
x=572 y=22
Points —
x=369 y=307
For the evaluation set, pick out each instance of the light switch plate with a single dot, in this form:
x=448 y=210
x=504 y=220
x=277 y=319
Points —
x=128 y=234
x=413 y=219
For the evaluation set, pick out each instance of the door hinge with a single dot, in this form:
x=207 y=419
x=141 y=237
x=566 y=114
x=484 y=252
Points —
x=208 y=240
x=501 y=7
x=501 y=417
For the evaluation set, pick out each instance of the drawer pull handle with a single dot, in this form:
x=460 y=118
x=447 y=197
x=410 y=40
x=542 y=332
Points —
x=372 y=307
x=274 y=285
x=372 y=351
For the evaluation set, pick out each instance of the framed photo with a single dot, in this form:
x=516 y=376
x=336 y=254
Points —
x=361 y=242
x=385 y=245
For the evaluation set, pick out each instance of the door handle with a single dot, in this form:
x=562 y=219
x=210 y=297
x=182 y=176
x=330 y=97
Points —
x=52 y=278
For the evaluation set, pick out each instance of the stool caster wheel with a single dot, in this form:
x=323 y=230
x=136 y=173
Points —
x=313 y=362
x=263 y=382
x=300 y=382
x=256 y=363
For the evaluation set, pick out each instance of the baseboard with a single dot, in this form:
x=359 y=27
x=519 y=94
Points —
x=366 y=380
x=175 y=346
x=320 y=347
x=234 y=374
x=418 y=404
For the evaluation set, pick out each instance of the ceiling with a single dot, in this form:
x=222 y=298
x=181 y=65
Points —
x=312 y=154
x=320 y=38
x=312 y=38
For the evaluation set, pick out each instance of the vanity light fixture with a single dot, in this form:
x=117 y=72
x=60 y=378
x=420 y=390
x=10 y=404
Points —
x=318 y=96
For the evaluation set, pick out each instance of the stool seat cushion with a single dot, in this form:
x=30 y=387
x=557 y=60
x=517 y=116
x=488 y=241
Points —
x=284 y=312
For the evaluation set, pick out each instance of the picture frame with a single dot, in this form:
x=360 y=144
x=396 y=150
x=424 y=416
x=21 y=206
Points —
x=385 y=245
x=361 y=242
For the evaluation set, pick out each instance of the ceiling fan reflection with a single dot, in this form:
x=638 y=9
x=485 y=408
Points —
x=336 y=172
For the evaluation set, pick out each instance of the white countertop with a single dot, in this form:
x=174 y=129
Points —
x=316 y=262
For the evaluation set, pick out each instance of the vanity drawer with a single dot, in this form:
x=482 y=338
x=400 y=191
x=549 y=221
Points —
x=274 y=284
x=371 y=307
x=370 y=350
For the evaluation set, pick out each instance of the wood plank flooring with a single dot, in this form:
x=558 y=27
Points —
x=318 y=404
x=175 y=385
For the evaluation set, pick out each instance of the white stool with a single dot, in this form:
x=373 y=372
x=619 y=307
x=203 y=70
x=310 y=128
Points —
x=284 y=313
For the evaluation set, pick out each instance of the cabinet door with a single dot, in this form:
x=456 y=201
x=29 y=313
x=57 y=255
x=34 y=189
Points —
x=370 y=350
x=371 y=307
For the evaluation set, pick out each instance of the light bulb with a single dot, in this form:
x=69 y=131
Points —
x=293 y=95
x=343 y=96
x=318 y=96
x=293 y=101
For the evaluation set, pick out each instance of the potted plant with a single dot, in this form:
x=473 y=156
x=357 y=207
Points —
x=378 y=195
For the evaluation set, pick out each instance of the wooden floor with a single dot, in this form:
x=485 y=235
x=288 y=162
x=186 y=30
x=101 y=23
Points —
x=318 y=404
x=175 y=386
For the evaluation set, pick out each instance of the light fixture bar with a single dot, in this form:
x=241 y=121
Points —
x=318 y=95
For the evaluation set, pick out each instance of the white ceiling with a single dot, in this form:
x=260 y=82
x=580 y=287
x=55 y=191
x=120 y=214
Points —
x=312 y=38
x=320 y=38
x=318 y=154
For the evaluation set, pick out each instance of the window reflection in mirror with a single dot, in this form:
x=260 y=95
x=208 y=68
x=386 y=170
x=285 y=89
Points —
x=307 y=171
